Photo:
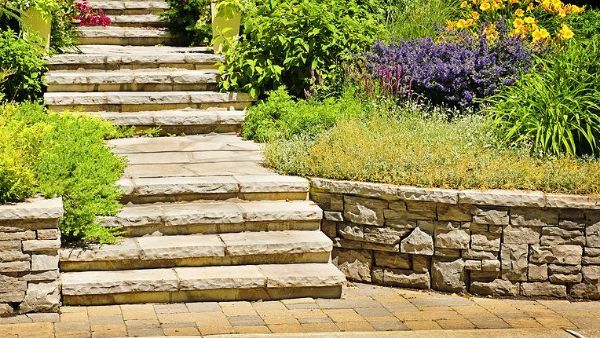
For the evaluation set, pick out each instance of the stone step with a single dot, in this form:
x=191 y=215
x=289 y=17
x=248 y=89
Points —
x=211 y=283
x=163 y=79
x=212 y=217
x=130 y=7
x=149 y=252
x=144 y=101
x=185 y=121
x=110 y=57
x=154 y=146
x=140 y=20
x=192 y=188
x=113 y=35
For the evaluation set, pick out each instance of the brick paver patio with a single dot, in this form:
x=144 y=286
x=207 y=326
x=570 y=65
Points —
x=362 y=308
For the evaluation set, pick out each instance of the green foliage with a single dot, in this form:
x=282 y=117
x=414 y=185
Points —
x=555 y=108
x=281 y=117
x=63 y=34
x=297 y=43
x=409 y=149
x=26 y=61
x=409 y=19
x=63 y=155
x=586 y=25
x=189 y=21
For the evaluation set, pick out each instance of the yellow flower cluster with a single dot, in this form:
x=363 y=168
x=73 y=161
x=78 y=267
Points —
x=526 y=17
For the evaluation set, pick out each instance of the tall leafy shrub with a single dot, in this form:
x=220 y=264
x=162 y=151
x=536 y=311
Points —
x=26 y=62
x=555 y=108
x=189 y=20
x=409 y=19
x=298 y=43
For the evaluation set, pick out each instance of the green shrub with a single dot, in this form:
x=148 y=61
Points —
x=63 y=33
x=189 y=21
x=26 y=61
x=281 y=117
x=67 y=155
x=432 y=152
x=586 y=25
x=556 y=108
x=409 y=19
x=297 y=43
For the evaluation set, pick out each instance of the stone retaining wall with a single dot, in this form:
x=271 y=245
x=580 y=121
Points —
x=492 y=242
x=29 y=243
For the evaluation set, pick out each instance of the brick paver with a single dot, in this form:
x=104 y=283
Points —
x=363 y=308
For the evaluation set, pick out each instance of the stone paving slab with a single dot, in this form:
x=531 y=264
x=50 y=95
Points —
x=363 y=310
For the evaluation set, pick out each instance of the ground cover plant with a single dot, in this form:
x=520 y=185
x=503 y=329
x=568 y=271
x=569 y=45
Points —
x=60 y=155
x=428 y=152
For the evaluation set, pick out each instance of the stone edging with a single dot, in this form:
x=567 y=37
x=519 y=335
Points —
x=29 y=244
x=488 y=242
x=509 y=198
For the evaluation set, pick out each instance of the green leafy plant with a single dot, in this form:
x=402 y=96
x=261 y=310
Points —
x=410 y=19
x=298 y=43
x=190 y=21
x=280 y=116
x=63 y=33
x=61 y=155
x=26 y=61
x=555 y=108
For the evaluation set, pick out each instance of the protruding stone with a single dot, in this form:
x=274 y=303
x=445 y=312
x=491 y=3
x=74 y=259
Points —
x=41 y=297
x=364 y=210
x=498 y=287
x=392 y=260
x=559 y=254
x=448 y=276
x=417 y=243
x=355 y=264
x=514 y=262
x=543 y=290
x=521 y=235
x=453 y=239
x=491 y=216
x=537 y=273
x=533 y=217
x=406 y=278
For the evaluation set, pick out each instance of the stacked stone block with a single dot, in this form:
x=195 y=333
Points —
x=29 y=243
x=493 y=242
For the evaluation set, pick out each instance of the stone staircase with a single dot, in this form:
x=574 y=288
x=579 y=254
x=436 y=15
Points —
x=203 y=219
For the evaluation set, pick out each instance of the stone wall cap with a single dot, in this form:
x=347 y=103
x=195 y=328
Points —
x=33 y=208
x=496 y=197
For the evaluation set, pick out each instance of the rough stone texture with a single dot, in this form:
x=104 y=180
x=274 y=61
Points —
x=417 y=243
x=29 y=243
x=448 y=276
x=497 y=243
x=498 y=287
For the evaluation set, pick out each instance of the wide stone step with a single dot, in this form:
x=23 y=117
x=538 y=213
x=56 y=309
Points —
x=145 y=101
x=271 y=247
x=185 y=121
x=164 y=79
x=141 y=20
x=212 y=283
x=130 y=7
x=191 y=188
x=154 y=146
x=109 y=57
x=113 y=35
x=212 y=217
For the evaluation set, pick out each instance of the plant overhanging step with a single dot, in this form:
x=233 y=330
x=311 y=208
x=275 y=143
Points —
x=211 y=217
x=219 y=283
x=271 y=247
x=185 y=121
x=130 y=7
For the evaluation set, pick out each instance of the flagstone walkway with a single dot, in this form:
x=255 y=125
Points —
x=363 y=308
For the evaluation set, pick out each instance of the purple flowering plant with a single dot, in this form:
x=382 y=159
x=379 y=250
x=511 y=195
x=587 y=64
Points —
x=456 y=70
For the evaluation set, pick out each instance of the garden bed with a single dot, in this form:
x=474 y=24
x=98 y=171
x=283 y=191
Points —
x=486 y=242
